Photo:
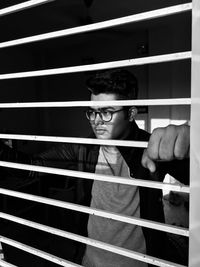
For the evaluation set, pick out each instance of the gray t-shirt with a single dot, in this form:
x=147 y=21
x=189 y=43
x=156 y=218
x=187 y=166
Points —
x=123 y=199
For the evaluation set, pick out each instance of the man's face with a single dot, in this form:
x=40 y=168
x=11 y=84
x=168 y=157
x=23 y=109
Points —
x=117 y=128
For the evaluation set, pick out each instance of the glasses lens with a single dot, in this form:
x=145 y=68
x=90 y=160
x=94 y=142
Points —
x=106 y=115
x=90 y=115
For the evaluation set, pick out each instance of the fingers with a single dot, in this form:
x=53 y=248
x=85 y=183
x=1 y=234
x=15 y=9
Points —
x=162 y=143
x=147 y=162
x=182 y=144
x=168 y=143
x=154 y=143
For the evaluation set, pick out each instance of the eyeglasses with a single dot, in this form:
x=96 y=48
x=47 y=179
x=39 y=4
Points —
x=105 y=115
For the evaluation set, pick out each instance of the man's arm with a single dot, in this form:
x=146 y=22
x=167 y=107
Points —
x=167 y=144
x=60 y=156
x=11 y=155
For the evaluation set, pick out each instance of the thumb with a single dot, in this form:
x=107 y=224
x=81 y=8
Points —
x=147 y=162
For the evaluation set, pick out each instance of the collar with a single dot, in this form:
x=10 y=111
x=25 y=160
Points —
x=134 y=153
x=136 y=134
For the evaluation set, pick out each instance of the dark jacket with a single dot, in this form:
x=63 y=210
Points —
x=84 y=158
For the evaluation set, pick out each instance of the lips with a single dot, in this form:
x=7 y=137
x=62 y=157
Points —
x=100 y=130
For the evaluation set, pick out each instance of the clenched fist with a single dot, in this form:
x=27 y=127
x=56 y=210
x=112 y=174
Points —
x=166 y=144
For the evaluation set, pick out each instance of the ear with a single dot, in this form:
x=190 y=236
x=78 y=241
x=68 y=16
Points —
x=132 y=112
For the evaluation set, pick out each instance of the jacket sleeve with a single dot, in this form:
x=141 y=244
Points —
x=11 y=155
x=61 y=156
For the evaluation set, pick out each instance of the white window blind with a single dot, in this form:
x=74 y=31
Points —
x=193 y=55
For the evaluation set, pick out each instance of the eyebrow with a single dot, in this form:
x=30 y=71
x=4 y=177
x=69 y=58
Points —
x=103 y=108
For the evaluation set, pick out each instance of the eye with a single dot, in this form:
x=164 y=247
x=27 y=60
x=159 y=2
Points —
x=106 y=112
x=90 y=111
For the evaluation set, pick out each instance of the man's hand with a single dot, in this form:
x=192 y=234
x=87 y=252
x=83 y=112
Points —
x=166 y=144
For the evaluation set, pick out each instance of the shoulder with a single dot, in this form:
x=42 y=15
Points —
x=60 y=151
x=139 y=134
x=143 y=135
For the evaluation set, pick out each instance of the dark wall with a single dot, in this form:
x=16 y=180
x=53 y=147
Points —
x=165 y=35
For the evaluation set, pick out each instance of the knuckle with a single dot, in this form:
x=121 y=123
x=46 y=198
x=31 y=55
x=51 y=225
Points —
x=171 y=129
x=158 y=131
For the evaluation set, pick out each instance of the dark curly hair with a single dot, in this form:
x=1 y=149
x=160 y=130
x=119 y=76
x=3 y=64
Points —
x=117 y=81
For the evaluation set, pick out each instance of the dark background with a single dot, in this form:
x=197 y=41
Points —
x=159 y=36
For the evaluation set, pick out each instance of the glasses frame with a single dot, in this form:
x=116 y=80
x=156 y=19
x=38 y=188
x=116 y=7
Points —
x=100 y=114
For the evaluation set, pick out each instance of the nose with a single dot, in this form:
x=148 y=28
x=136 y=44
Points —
x=98 y=119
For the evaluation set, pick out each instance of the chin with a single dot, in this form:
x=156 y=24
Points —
x=102 y=136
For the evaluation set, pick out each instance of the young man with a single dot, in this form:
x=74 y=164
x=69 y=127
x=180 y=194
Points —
x=118 y=123
x=166 y=147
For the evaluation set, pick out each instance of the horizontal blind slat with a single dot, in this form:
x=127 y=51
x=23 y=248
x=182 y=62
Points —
x=38 y=252
x=101 y=25
x=22 y=6
x=110 y=215
x=100 y=66
x=75 y=140
x=6 y=264
x=93 y=176
x=88 y=241
x=138 y=102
